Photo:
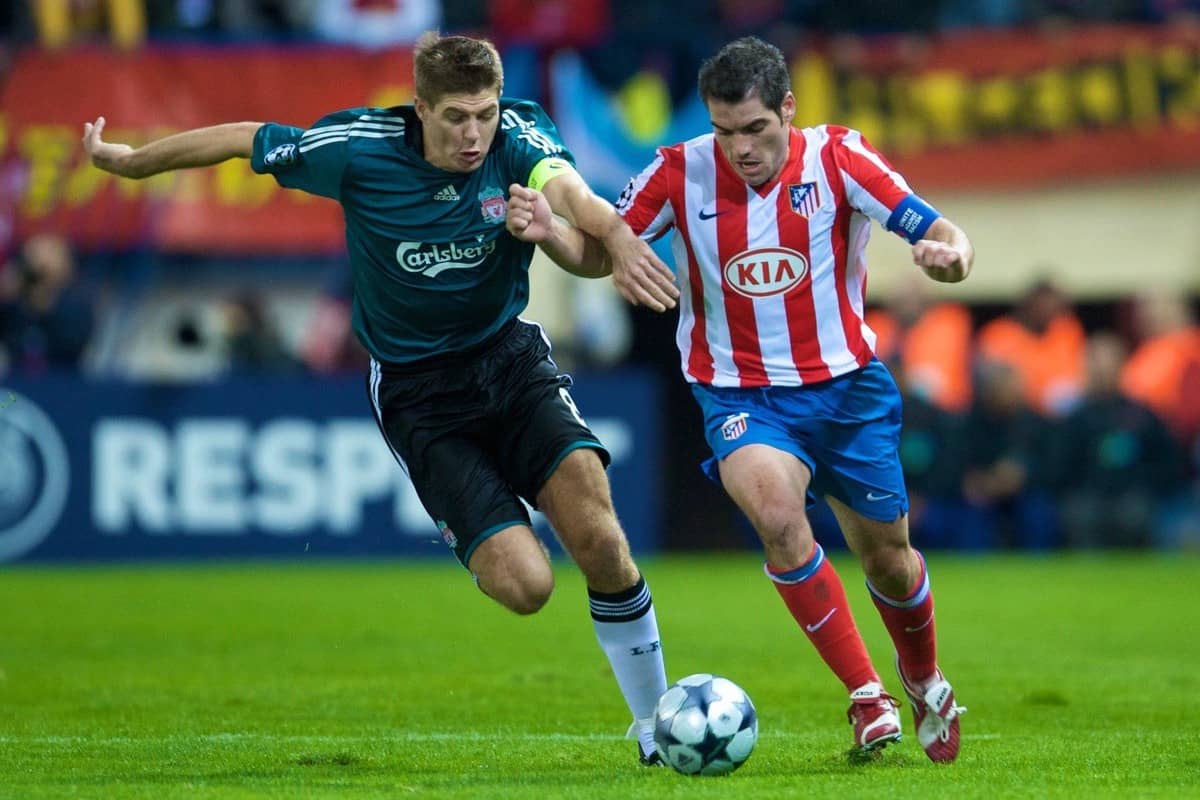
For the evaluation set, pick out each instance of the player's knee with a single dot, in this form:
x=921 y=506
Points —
x=530 y=598
x=520 y=584
x=601 y=543
x=781 y=529
x=887 y=567
x=525 y=595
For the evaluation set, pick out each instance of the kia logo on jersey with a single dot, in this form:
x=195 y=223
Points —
x=765 y=271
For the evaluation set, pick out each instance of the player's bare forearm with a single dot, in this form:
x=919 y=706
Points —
x=572 y=199
x=530 y=219
x=575 y=251
x=639 y=274
x=946 y=254
x=954 y=236
x=200 y=147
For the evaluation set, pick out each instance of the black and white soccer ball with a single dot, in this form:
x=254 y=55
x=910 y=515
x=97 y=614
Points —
x=705 y=725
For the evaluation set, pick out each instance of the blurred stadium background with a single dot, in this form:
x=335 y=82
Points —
x=177 y=373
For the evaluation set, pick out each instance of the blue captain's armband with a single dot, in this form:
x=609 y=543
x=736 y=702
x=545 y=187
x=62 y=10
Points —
x=912 y=218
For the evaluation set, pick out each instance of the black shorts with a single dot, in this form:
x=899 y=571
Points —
x=477 y=431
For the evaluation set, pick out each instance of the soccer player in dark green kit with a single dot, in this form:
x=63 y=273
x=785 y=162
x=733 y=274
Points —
x=465 y=393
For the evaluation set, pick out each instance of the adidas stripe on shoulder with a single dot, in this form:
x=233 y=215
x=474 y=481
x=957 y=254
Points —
x=370 y=126
x=529 y=132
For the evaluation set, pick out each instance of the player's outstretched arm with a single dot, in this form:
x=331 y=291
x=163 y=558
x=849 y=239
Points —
x=201 y=147
x=530 y=219
x=639 y=275
x=945 y=253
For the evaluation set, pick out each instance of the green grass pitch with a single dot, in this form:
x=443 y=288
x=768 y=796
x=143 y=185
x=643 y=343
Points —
x=329 y=680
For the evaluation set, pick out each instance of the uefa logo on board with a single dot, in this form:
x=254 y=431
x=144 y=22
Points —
x=34 y=475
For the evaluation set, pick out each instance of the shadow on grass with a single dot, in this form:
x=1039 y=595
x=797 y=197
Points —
x=1046 y=697
x=335 y=766
x=328 y=760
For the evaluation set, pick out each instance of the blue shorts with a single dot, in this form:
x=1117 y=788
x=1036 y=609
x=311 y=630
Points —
x=847 y=430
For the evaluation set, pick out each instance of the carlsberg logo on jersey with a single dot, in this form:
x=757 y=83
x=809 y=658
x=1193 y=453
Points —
x=434 y=259
x=765 y=271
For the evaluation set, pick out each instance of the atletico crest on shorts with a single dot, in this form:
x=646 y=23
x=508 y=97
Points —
x=734 y=426
x=805 y=197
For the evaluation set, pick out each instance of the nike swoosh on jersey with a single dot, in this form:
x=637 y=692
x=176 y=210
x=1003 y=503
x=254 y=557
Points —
x=704 y=216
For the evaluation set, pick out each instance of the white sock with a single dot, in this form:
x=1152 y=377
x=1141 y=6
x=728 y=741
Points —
x=643 y=731
x=628 y=632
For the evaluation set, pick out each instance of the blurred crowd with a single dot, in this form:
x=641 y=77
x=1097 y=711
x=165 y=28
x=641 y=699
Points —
x=1029 y=431
x=46 y=314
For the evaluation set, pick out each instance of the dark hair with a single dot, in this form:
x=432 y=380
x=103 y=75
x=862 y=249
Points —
x=445 y=65
x=748 y=66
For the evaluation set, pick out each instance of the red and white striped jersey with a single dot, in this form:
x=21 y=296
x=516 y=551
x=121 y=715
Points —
x=773 y=278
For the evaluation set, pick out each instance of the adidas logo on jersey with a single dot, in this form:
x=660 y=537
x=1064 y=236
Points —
x=447 y=193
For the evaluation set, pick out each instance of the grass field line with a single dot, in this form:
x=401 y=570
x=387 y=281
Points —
x=411 y=736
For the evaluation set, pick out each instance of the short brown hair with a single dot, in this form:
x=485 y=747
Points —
x=445 y=65
x=748 y=66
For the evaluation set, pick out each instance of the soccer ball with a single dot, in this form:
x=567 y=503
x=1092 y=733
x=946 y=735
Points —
x=705 y=725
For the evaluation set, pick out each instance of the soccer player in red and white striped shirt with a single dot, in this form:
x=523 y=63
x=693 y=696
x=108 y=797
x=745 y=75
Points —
x=769 y=228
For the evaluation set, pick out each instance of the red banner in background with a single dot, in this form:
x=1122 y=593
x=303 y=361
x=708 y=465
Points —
x=152 y=93
x=1014 y=108
x=980 y=110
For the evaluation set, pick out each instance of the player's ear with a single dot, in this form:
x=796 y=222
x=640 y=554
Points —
x=787 y=111
x=422 y=109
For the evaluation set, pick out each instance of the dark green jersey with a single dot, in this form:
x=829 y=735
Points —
x=435 y=270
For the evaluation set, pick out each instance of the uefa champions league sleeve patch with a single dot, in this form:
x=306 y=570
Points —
x=282 y=156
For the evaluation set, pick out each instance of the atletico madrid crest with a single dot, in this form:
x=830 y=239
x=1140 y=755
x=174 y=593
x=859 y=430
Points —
x=805 y=197
x=734 y=426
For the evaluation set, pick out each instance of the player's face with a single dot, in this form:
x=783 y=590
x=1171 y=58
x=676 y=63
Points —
x=459 y=130
x=753 y=137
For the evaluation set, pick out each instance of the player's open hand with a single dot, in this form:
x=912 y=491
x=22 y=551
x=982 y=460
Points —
x=639 y=275
x=105 y=155
x=941 y=261
x=528 y=217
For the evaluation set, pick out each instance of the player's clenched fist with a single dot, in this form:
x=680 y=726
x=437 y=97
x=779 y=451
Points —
x=941 y=261
x=528 y=217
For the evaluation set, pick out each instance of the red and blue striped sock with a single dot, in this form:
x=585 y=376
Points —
x=909 y=620
x=814 y=594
